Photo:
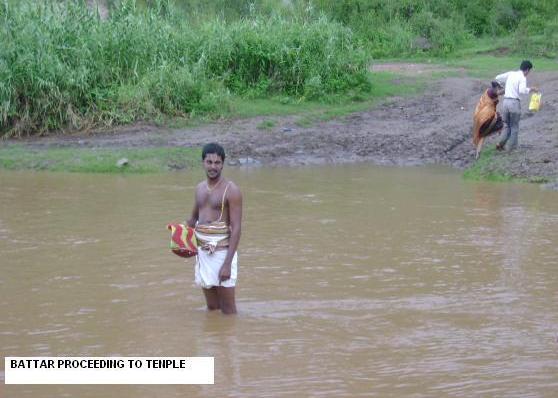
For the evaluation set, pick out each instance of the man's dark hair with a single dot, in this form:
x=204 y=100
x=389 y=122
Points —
x=526 y=65
x=213 y=148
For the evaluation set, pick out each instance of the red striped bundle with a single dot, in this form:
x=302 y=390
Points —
x=183 y=240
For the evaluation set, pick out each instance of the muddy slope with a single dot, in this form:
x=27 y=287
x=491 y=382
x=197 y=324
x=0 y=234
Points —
x=434 y=127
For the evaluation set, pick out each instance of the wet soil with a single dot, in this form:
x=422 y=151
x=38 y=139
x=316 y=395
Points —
x=431 y=128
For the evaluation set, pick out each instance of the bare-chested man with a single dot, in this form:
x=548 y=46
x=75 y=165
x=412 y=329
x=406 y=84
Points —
x=217 y=217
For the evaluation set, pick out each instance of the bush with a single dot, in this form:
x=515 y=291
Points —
x=395 y=28
x=278 y=55
x=544 y=43
x=61 y=66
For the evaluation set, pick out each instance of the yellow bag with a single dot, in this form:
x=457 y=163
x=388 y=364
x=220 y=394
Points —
x=535 y=103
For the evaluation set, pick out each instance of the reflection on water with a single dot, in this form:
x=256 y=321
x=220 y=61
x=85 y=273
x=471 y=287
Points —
x=353 y=281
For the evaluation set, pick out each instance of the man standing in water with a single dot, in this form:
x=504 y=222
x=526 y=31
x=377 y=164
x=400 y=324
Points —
x=217 y=217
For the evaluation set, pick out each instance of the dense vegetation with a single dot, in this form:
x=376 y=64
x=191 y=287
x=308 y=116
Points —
x=62 y=66
x=396 y=28
x=405 y=27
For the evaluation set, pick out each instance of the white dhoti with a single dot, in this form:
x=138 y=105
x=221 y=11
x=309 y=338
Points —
x=208 y=266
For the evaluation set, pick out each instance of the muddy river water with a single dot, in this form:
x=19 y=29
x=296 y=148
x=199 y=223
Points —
x=354 y=281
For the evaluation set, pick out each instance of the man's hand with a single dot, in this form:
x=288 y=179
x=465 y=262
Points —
x=225 y=273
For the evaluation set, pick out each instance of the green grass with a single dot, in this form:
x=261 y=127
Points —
x=84 y=160
x=483 y=58
x=486 y=66
x=492 y=167
x=486 y=168
x=267 y=124
x=384 y=85
x=490 y=56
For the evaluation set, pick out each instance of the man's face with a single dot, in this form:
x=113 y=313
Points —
x=213 y=164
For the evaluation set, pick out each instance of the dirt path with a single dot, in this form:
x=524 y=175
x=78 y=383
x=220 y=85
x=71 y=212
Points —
x=434 y=127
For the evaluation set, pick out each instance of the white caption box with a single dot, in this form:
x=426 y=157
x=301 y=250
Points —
x=109 y=370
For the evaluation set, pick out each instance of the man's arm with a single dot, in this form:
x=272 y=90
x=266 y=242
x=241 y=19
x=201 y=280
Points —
x=523 y=89
x=191 y=222
x=234 y=201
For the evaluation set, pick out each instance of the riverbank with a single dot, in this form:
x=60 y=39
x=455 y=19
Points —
x=432 y=127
